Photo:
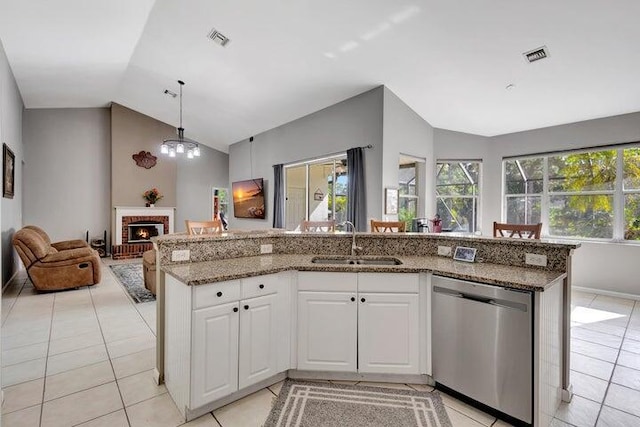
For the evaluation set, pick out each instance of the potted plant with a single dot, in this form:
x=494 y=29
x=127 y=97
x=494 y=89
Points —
x=151 y=196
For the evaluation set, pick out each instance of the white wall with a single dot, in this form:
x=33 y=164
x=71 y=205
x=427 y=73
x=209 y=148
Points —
x=607 y=266
x=67 y=156
x=405 y=132
x=11 y=111
x=195 y=179
x=351 y=123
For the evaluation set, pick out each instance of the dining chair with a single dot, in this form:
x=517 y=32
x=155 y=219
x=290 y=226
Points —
x=387 y=226
x=318 y=226
x=523 y=231
x=204 y=227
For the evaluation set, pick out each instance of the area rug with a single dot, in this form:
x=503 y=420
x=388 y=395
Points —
x=309 y=404
x=131 y=278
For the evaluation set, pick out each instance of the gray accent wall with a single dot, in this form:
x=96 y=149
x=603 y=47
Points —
x=405 y=132
x=11 y=110
x=195 y=180
x=68 y=171
x=351 y=123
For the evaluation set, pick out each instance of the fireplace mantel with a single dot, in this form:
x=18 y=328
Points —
x=124 y=211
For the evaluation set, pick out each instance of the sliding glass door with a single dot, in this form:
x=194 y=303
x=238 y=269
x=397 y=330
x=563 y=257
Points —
x=315 y=191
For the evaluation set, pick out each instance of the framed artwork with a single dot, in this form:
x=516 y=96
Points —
x=8 y=172
x=391 y=201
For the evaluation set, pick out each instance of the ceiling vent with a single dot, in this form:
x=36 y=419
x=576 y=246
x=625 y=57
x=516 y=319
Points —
x=218 y=37
x=537 y=54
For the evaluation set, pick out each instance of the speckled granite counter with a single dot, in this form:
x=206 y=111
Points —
x=197 y=273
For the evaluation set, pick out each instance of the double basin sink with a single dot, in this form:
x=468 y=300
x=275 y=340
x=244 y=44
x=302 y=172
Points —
x=338 y=260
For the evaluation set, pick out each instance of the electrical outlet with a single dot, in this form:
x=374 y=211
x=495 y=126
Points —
x=444 y=250
x=266 y=249
x=535 y=259
x=181 y=255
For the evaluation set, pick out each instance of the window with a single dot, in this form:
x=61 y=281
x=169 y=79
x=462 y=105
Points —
x=408 y=193
x=458 y=195
x=593 y=194
x=316 y=191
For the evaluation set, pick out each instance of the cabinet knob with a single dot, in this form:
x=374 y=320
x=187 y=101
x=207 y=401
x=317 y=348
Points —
x=362 y=300
x=219 y=294
x=235 y=309
x=261 y=286
x=246 y=307
x=353 y=299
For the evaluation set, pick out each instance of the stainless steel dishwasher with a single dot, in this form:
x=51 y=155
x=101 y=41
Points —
x=482 y=344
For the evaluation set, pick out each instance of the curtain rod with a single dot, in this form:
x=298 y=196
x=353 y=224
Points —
x=323 y=157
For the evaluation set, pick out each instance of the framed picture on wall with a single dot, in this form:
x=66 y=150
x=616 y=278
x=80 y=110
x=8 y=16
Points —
x=8 y=172
x=391 y=201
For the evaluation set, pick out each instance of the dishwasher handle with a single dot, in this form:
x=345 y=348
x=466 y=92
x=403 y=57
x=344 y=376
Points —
x=481 y=299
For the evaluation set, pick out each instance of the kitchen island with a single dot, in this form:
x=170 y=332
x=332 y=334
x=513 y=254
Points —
x=237 y=286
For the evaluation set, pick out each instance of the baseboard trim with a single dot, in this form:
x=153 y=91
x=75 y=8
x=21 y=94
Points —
x=13 y=276
x=606 y=293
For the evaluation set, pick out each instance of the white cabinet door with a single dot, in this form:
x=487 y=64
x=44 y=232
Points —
x=327 y=331
x=214 y=372
x=388 y=333
x=258 y=339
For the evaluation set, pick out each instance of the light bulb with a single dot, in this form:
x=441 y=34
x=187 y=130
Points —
x=164 y=148
x=172 y=152
x=196 y=151
x=180 y=148
x=190 y=154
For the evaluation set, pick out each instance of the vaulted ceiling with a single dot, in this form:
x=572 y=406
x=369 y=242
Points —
x=448 y=60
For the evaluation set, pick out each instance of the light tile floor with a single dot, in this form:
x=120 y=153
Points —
x=85 y=357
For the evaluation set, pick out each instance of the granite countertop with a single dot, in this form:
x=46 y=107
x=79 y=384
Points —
x=199 y=273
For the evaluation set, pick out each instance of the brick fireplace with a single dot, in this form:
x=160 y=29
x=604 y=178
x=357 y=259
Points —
x=152 y=221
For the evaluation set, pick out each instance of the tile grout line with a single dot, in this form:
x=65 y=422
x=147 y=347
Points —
x=46 y=360
x=109 y=358
x=615 y=364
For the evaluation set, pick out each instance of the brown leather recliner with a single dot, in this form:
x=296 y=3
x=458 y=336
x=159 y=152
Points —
x=61 y=246
x=51 y=269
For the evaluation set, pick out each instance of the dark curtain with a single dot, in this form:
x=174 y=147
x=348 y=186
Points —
x=356 y=190
x=278 y=196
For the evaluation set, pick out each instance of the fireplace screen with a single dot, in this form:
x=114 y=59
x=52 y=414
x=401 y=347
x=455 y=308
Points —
x=143 y=232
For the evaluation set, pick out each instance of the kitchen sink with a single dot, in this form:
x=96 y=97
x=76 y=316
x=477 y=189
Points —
x=356 y=261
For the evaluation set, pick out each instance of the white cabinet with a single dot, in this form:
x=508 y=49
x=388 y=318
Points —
x=327 y=328
x=258 y=339
x=368 y=322
x=215 y=353
x=388 y=333
x=237 y=344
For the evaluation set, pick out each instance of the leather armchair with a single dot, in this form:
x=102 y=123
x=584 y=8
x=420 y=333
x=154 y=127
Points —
x=61 y=246
x=52 y=269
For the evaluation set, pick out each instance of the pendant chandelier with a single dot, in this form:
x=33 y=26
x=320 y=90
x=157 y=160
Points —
x=180 y=145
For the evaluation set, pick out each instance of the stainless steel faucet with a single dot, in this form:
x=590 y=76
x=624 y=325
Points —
x=354 y=248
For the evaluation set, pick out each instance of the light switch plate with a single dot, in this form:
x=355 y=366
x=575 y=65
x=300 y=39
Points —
x=266 y=249
x=535 y=259
x=181 y=255
x=444 y=250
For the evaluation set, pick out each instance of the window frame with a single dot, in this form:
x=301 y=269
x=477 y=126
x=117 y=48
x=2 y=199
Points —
x=477 y=196
x=618 y=192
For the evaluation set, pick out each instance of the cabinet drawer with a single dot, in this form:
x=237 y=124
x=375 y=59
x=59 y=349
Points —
x=215 y=293
x=260 y=285
x=389 y=282
x=327 y=282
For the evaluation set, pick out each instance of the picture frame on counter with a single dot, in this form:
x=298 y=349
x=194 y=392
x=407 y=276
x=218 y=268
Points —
x=465 y=254
x=390 y=201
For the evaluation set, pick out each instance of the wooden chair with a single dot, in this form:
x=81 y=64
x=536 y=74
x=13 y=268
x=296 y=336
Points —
x=318 y=226
x=523 y=231
x=387 y=226
x=204 y=227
